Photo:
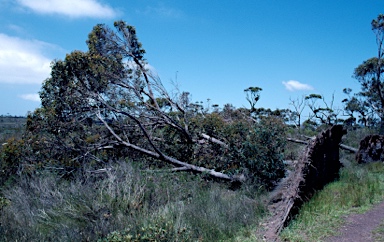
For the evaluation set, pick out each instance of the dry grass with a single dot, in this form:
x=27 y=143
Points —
x=126 y=203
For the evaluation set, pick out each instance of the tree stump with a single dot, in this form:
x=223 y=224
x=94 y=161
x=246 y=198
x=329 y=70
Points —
x=371 y=149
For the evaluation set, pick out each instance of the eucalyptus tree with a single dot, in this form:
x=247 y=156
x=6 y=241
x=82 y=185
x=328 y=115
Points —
x=109 y=97
x=108 y=102
x=253 y=96
x=324 y=112
x=369 y=102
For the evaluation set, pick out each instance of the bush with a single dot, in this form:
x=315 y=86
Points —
x=10 y=157
x=264 y=151
x=257 y=149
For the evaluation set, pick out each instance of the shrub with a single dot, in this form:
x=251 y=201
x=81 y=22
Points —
x=257 y=149
x=10 y=157
x=264 y=151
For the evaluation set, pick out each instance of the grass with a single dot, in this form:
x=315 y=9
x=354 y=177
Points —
x=359 y=187
x=126 y=204
x=378 y=233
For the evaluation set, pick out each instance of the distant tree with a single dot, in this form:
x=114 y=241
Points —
x=324 y=112
x=298 y=106
x=369 y=102
x=356 y=109
x=253 y=96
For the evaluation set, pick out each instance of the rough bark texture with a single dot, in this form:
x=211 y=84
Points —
x=318 y=165
x=371 y=149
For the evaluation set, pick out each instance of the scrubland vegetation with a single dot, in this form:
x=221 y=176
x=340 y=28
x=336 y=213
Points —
x=128 y=201
x=111 y=155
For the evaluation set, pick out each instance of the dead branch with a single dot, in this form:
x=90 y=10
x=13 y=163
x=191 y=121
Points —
x=214 y=140
x=160 y=156
x=176 y=169
x=349 y=148
x=298 y=141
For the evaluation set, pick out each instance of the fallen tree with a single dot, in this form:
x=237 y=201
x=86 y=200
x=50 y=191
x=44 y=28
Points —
x=342 y=146
x=107 y=104
x=318 y=165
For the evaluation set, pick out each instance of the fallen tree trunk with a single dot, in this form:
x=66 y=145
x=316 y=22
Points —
x=349 y=148
x=344 y=147
x=318 y=165
x=298 y=141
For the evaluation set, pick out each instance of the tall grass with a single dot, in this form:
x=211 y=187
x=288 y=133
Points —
x=124 y=204
x=358 y=188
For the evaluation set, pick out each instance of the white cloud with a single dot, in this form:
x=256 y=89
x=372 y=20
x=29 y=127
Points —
x=293 y=85
x=31 y=97
x=16 y=28
x=22 y=61
x=150 y=69
x=161 y=11
x=71 y=8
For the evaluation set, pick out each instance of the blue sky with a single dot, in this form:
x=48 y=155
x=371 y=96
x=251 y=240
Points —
x=213 y=49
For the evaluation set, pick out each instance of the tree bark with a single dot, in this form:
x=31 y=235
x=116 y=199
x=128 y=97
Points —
x=318 y=165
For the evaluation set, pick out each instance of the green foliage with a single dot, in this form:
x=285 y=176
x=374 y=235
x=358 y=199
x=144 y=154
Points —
x=3 y=202
x=257 y=149
x=263 y=150
x=378 y=233
x=10 y=158
x=103 y=104
x=369 y=102
x=253 y=148
x=158 y=229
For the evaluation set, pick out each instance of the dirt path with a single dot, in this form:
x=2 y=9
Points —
x=359 y=227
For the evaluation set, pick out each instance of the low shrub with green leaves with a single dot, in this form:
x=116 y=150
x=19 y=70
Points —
x=256 y=149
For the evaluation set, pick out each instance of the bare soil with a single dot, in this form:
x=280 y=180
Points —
x=360 y=227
